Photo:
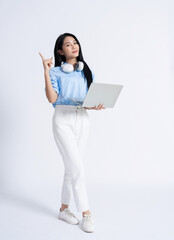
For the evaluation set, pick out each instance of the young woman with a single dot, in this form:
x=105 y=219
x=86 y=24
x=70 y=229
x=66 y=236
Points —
x=65 y=84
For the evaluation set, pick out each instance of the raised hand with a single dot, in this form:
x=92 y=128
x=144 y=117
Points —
x=46 y=62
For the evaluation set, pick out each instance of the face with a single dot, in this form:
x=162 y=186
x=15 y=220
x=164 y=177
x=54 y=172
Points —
x=70 y=48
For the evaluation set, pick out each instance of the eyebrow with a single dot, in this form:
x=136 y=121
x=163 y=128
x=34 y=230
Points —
x=69 y=42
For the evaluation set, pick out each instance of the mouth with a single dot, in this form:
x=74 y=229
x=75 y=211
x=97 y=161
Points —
x=74 y=51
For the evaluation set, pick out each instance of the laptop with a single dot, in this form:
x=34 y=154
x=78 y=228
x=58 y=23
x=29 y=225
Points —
x=100 y=93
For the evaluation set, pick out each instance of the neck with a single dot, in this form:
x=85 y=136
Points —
x=72 y=61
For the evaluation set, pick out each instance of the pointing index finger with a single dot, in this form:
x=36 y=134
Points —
x=41 y=56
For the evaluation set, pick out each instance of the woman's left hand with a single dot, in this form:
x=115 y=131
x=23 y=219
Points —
x=100 y=107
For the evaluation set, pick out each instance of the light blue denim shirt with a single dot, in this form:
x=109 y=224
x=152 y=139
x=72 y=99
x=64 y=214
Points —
x=69 y=85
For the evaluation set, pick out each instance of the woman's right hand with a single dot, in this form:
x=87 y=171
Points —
x=46 y=62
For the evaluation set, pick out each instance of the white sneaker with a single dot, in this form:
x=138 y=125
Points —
x=87 y=223
x=68 y=217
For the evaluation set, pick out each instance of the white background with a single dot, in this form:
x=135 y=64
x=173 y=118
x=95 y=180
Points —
x=129 y=159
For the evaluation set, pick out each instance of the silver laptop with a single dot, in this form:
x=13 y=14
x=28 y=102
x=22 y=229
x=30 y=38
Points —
x=100 y=93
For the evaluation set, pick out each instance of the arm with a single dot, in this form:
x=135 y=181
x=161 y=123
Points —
x=50 y=92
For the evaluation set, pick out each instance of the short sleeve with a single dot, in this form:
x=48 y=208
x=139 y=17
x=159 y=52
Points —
x=54 y=80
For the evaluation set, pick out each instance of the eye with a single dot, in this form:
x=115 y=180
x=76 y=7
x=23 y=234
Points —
x=68 y=44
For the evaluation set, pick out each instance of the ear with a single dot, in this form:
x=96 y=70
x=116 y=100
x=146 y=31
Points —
x=61 y=52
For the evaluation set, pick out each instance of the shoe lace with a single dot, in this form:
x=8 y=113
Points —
x=89 y=218
x=69 y=213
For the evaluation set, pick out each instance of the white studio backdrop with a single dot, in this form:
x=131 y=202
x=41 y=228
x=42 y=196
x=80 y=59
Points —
x=124 y=42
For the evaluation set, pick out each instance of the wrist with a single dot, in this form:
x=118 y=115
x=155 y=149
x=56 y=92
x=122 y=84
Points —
x=46 y=71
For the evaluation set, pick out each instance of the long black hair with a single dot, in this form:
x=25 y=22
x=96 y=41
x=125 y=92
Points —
x=59 y=58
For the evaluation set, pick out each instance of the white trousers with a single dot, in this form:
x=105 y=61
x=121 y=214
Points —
x=71 y=126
